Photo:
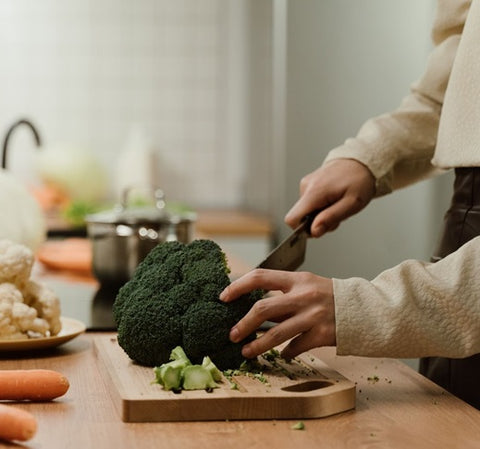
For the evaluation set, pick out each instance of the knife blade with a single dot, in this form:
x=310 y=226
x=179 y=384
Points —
x=290 y=253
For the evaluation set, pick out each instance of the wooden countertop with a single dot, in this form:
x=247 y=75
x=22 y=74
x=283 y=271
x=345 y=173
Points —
x=233 y=222
x=395 y=408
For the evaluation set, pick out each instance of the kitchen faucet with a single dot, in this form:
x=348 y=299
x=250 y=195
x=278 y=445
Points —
x=9 y=133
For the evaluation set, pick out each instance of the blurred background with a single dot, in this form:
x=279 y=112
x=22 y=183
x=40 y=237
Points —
x=224 y=104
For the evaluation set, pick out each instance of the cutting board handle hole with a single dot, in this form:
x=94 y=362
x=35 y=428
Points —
x=310 y=385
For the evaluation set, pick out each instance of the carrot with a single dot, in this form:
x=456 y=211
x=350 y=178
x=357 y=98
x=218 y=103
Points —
x=16 y=424
x=32 y=385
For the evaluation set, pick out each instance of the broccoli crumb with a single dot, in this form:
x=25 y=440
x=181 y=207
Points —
x=271 y=355
x=261 y=378
x=373 y=379
x=299 y=426
x=249 y=368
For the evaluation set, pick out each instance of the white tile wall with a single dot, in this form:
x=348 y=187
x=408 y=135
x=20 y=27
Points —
x=86 y=70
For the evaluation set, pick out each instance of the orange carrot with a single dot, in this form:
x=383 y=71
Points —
x=16 y=424
x=32 y=385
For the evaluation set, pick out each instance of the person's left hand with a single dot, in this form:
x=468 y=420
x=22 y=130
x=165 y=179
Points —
x=301 y=303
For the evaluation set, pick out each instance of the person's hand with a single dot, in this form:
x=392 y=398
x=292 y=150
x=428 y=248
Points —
x=301 y=303
x=340 y=188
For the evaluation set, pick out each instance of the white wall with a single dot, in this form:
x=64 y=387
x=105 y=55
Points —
x=346 y=62
x=240 y=97
x=195 y=74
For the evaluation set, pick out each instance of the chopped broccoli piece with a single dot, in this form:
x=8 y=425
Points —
x=173 y=300
x=170 y=375
x=299 y=426
x=180 y=374
x=178 y=354
x=197 y=377
x=212 y=368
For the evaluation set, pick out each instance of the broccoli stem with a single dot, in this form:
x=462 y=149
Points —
x=212 y=368
x=179 y=354
x=170 y=375
x=196 y=377
x=180 y=374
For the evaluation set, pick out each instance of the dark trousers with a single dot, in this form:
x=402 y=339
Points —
x=461 y=377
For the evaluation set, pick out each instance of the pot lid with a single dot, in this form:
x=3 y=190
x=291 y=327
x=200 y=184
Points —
x=132 y=216
x=158 y=213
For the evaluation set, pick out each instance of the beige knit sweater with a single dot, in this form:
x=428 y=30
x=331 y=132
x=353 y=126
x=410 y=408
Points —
x=420 y=309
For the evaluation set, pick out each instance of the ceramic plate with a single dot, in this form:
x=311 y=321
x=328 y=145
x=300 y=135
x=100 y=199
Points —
x=70 y=329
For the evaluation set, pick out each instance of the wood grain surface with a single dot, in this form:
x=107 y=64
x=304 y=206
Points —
x=395 y=408
x=303 y=388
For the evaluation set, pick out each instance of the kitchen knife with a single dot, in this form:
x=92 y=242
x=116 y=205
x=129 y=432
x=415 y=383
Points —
x=290 y=254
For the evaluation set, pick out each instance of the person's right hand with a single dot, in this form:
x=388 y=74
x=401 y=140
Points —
x=339 y=189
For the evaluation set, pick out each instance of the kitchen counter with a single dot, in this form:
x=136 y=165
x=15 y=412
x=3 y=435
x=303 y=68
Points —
x=225 y=222
x=395 y=408
x=233 y=222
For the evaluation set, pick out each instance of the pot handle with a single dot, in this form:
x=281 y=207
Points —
x=157 y=194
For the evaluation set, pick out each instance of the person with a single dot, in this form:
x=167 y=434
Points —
x=420 y=309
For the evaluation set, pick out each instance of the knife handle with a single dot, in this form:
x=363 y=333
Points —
x=308 y=220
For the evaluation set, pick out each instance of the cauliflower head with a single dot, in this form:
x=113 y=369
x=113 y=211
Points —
x=16 y=261
x=18 y=320
x=45 y=301
x=27 y=308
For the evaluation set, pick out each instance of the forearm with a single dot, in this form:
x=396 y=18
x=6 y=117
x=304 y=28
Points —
x=398 y=147
x=415 y=309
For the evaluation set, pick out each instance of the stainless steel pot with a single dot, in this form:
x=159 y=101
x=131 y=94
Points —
x=122 y=237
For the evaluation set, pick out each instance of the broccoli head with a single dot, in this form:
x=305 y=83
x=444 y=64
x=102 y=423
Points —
x=173 y=300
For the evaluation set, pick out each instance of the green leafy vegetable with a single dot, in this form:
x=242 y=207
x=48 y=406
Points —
x=173 y=300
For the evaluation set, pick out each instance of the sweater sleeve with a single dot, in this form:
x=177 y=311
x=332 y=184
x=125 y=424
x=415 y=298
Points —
x=398 y=147
x=415 y=309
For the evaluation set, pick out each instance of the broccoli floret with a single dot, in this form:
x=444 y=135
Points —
x=202 y=319
x=164 y=279
x=145 y=336
x=173 y=300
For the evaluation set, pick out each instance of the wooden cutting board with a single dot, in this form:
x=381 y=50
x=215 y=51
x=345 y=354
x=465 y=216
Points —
x=304 y=388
